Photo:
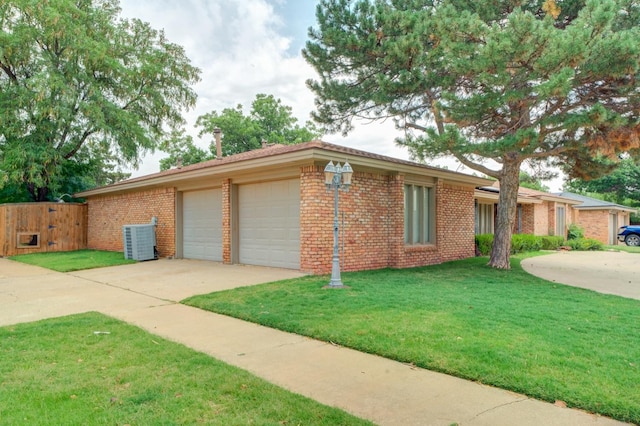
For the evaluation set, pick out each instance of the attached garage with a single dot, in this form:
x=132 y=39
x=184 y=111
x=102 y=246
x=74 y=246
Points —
x=202 y=224
x=269 y=224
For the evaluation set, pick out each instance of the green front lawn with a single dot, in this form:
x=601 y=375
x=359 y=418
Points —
x=623 y=247
x=90 y=369
x=504 y=328
x=68 y=261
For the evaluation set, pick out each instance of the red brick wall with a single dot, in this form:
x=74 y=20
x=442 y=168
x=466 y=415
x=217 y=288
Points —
x=371 y=220
x=107 y=215
x=456 y=222
x=527 y=219
x=595 y=224
x=363 y=219
x=226 y=221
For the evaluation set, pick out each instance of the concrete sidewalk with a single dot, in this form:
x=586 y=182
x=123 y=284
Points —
x=384 y=391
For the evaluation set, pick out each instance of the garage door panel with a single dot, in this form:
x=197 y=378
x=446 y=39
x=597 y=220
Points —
x=202 y=224
x=269 y=224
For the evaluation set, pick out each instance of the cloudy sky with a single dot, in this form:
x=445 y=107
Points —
x=246 y=47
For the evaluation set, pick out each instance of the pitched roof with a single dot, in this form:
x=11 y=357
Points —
x=535 y=194
x=589 y=203
x=276 y=154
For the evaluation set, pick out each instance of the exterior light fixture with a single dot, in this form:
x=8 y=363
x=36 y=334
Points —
x=338 y=178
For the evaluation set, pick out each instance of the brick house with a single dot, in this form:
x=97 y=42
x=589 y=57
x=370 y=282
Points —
x=542 y=213
x=599 y=219
x=270 y=207
x=538 y=212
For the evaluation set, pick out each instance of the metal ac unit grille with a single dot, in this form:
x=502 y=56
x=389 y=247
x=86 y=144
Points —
x=139 y=241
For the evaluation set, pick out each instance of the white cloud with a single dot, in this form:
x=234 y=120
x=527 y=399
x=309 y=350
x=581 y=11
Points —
x=244 y=47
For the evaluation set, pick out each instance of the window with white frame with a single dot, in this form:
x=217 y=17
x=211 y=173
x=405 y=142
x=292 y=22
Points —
x=419 y=223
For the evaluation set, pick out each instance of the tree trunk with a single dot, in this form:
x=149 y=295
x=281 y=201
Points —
x=38 y=194
x=506 y=215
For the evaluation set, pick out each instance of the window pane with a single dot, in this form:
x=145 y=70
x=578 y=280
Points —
x=425 y=215
x=417 y=205
x=415 y=222
x=407 y=213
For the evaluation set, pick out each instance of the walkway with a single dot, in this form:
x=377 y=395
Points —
x=384 y=391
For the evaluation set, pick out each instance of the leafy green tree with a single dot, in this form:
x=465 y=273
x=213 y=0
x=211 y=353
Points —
x=77 y=83
x=182 y=151
x=502 y=82
x=532 y=182
x=268 y=120
x=621 y=186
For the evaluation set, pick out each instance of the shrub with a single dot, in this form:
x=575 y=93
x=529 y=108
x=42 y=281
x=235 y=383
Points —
x=525 y=242
x=484 y=242
x=519 y=243
x=551 y=242
x=585 y=244
x=575 y=232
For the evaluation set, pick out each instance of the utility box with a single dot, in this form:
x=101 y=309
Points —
x=139 y=242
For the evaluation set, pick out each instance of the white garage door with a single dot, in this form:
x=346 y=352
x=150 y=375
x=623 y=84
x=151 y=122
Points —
x=269 y=224
x=202 y=225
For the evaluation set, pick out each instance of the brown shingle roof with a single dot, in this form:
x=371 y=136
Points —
x=269 y=151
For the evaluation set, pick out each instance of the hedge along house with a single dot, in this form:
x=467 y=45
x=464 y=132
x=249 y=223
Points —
x=270 y=207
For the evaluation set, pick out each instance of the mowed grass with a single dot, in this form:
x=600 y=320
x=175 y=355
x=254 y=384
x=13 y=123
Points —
x=622 y=247
x=69 y=261
x=504 y=328
x=69 y=371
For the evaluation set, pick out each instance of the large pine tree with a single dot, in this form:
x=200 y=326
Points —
x=494 y=84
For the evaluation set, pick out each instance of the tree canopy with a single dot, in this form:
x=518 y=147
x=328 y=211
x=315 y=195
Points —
x=621 y=186
x=494 y=84
x=82 y=88
x=268 y=120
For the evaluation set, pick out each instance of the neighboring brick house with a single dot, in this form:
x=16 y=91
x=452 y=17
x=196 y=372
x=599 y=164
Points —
x=270 y=207
x=542 y=213
x=599 y=219
x=539 y=213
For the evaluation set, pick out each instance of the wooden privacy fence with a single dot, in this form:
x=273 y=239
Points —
x=42 y=227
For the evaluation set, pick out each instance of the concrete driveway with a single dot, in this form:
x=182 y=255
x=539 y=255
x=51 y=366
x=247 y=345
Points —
x=29 y=293
x=605 y=272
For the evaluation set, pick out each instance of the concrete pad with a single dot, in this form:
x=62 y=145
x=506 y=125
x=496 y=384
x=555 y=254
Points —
x=605 y=272
x=41 y=294
x=177 y=279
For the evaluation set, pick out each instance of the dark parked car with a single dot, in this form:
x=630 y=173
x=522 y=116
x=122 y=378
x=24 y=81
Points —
x=630 y=235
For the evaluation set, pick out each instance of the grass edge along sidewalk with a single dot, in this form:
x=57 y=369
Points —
x=93 y=369
x=503 y=328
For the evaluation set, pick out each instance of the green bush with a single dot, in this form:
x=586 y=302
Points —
x=575 y=232
x=585 y=244
x=551 y=242
x=521 y=243
x=484 y=242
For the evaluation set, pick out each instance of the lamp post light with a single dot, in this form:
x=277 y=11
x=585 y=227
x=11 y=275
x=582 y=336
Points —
x=336 y=177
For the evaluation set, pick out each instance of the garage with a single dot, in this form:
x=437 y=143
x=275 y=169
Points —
x=269 y=224
x=202 y=225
